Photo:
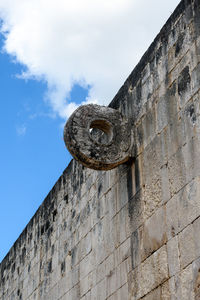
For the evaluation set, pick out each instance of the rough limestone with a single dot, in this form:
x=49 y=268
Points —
x=130 y=233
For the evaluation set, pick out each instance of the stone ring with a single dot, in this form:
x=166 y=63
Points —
x=98 y=136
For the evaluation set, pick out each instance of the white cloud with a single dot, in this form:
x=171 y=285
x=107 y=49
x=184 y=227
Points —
x=89 y=42
x=21 y=130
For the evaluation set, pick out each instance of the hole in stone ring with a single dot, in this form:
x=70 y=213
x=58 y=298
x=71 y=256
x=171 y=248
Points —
x=101 y=131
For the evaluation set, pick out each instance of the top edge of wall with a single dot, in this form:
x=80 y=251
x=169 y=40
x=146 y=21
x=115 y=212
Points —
x=161 y=37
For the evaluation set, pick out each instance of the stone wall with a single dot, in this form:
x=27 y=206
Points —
x=132 y=232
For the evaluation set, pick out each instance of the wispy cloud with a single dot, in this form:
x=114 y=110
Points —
x=93 y=43
x=21 y=130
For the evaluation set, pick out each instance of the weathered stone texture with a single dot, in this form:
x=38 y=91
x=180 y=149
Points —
x=98 y=136
x=132 y=232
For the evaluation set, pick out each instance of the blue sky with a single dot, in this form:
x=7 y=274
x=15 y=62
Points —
x=77 y=52
x=33 y=154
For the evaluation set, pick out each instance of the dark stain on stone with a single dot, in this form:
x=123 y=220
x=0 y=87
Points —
x=66 y=199
x=49 y=232
x=54 y=214
x=46 y=214
x=130 y=178
x=134 y=207
x=73 y=213
x=184 y=80
x=100 y=187
x=197 y=17
x=42 y=230
x=172 y=90
x=46 y=246
x=47 y=225
x=29 y=267
x=149 y=96
x=30 y=237
x=41 y=265
x=129 y=182
x=49 y=268
x=65 y=225
x=158 y=55
x=98 y=209
x=135 y=254
x=52 y=250
x=51 y=208
x=93 y=153
x=22 y=257
x=13 y=268
x=3 y=280
x=66 y=248
x=35 y=249
x=137 y=176
x=179 y=44
x=62 y=268
x=134 y=201
x=139 y=92
x=88 y=209
x=140 y=135
x=197 y=286
x=190 y=112
x=64 y=179
x=77 y=219
x=81 y=178
x=8 y=265
x=73 y=255
x=83 y=215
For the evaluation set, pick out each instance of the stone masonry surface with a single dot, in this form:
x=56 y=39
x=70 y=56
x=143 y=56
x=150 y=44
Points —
x=133 y=232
